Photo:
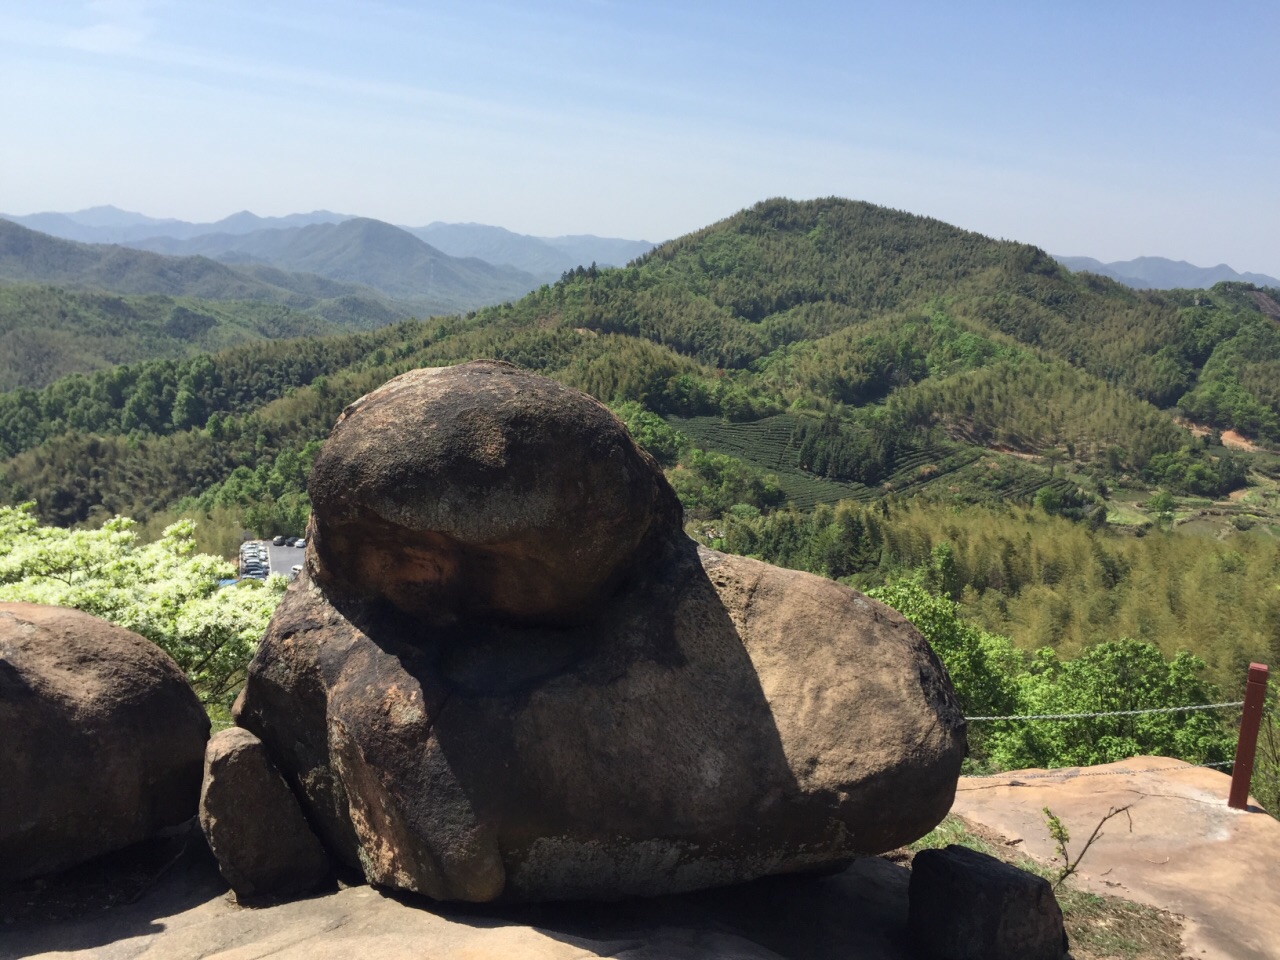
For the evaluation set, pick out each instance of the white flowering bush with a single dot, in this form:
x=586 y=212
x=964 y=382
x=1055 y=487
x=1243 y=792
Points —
x=164 y=591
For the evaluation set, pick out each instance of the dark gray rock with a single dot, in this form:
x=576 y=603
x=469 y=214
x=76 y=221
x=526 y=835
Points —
x=101 y=739
x=254 y=826
x=966 y=905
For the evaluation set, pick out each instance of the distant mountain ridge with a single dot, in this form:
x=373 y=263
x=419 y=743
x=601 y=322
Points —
x=360 y=250
x=30 y=256
x=358 y=267
x=1161 y=273
x=107 y=224
x=545 y=258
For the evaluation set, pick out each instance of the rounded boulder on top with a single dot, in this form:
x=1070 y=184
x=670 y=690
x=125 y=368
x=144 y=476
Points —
x=506 y=672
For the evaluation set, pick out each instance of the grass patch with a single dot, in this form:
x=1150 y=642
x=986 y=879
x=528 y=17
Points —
x=1123 y=514
x=953 y=830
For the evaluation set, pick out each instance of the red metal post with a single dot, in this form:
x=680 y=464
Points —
x=1255 y=695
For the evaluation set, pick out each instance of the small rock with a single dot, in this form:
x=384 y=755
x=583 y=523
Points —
x=253 y=823
x=966 y=905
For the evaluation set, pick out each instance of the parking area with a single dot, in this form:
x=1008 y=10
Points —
x=261 y=558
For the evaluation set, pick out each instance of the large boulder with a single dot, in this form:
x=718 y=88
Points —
x=690 y=720
x=101 y=739
x=480 y=490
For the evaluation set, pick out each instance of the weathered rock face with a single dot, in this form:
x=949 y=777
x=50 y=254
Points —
x=693 y=719
x=101 y=739
x=253 y=823
x=482 y=491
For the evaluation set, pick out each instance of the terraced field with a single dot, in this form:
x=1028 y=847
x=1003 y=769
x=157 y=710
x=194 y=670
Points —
x=994 y=478
x=766 y=444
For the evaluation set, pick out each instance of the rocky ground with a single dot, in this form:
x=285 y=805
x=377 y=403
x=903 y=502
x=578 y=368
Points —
x=1215 y=870
x=1178 y=847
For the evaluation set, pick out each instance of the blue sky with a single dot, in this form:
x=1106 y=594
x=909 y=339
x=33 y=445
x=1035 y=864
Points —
x=1103 y=129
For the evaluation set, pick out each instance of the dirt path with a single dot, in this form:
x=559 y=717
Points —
x=1238 y=441
x=1230 y=438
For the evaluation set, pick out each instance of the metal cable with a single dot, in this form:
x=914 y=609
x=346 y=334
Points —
x=1114 y=713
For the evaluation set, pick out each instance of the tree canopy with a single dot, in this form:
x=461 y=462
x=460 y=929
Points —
x=163 y=590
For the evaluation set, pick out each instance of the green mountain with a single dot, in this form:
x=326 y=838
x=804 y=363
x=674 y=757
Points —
x=830 y=385
x=848 y=350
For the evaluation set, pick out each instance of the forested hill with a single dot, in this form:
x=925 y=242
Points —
x=835 y=349
x=831 y=386
x=50 y=332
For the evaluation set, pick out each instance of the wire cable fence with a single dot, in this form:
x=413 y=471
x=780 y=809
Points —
x=1059 y=772
x=1112 y=713
x=1083 y=770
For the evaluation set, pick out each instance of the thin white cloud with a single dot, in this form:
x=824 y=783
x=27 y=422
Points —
x=122 y=26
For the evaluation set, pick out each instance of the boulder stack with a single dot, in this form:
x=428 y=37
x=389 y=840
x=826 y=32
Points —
x=507 y=673
x=101 y=739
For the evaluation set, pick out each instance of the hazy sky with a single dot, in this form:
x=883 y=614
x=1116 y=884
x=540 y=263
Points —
x=1105 y=129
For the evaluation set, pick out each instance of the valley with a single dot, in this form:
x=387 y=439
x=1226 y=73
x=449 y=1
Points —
x=830 y=385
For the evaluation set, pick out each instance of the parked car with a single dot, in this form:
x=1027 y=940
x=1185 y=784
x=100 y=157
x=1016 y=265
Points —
x=302 y=542
x=279 y=540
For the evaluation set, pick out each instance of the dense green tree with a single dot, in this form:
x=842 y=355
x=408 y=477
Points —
x=1115 y=676
x=162 y=590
